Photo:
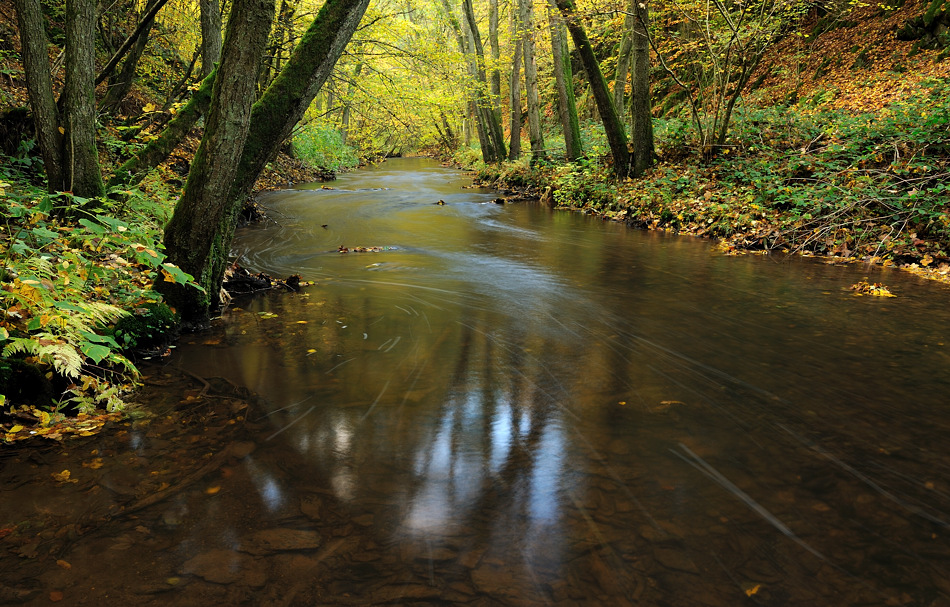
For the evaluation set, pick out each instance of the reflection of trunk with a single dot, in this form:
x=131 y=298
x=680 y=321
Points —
x=623 y=59
x=515 y=89
x=641 y=123
x=79 y=92
x=567 y=109
x=210 y=35
x=35 y=57
x=531 y=80
x=613 y=127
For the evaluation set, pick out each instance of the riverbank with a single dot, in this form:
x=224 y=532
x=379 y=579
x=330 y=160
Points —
x=854 y=187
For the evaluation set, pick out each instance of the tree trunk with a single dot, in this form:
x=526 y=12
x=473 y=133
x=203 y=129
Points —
x=641 y=129
x=495 y=53
x=210 y=35
x=535 y=134
x=40 y=89
x=514 y=152
x=623 y=59
x=156 y=151
x=564 y=79
x=613 y=127
x=79 y=117
x=286 y=100
x=193 y=238
x=120 y=86
x=348 y=102
x=142 y=28
x=489 y=115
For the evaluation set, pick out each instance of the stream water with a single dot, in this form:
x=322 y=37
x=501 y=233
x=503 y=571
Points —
x=508 y=405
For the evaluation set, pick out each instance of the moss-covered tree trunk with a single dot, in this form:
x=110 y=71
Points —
x=535 y=135
x=641 y=119
x=194 y=240
x=79 y=116
x=613 y=127
x=203 y=251
x=285 y=101
x=514 y=88
x=210 y=35
x=39 y=85
x=156 y=151
x=564 y=80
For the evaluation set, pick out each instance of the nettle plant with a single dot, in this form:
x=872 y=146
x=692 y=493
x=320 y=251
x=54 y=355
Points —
x=70 y=269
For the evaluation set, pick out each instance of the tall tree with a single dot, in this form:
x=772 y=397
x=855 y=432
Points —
x=272 y=119
x=613 y=126
x=486 y=108
x=495 y=51
x=210 y=35
x=623 y=59
x=641 y=121
x=487 y=120
x=39 y=85
x=564 y=80
x=79 y=117
x=121 y=83
x=67 y=138
x=535 y=135
x=514 y=89
x=192 y=237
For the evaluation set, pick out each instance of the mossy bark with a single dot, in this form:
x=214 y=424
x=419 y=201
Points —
x=613 y=127
x=79 y=118
x=201 y=234
x=193 y=237
x=134 y=170
x=564 y=79
x=39 y=85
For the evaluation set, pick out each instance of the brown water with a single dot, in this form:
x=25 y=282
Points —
x=514 y=406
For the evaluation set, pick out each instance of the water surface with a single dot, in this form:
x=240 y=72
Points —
x=508 y=405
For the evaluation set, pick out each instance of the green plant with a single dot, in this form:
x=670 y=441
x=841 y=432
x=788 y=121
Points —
x=321 y=146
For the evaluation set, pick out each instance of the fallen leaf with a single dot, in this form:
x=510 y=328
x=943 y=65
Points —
x=55 y=596
x=213 y=490
x=64 y=564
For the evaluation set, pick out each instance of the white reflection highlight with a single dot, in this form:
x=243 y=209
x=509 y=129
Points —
x=271 y=494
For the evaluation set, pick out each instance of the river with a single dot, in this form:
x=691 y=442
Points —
x=509 y=405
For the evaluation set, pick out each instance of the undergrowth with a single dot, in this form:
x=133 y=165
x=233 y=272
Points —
x=72 y=267
x=805 y=178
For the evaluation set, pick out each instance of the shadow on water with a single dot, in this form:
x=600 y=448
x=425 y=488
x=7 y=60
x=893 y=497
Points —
x=509 y=405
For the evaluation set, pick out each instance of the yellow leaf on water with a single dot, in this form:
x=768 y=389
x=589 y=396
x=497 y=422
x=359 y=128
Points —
x=302 y=322
x=62 y=476
x=16 y=429
x=213 y=490
x=753 y=590
x=64 y=564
